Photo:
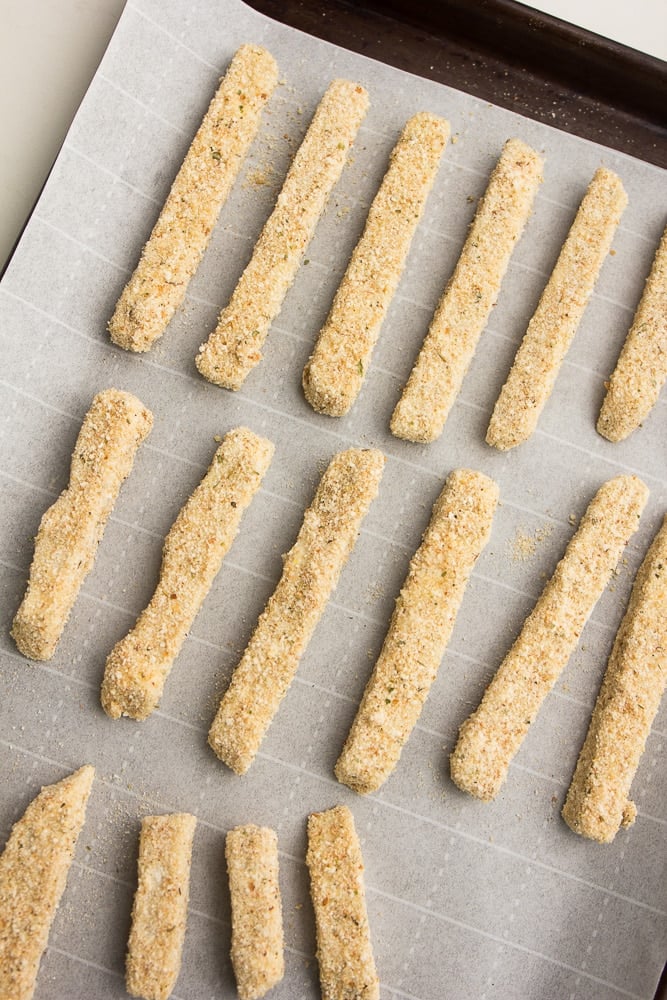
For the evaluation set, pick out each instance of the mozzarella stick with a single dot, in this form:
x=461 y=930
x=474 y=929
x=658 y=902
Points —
x=160 y=909
x=72 y=527
x=597 y=803
x=641 y=370
x=558 y=314
x=334 y=374
x=490 y=738
x=310 y=573
x=336 y=868
x=138 y=666
x=419 y=631
x=257 y=923
x=181 y=234
x=470 y=295
x=234 y=347
x=33 y=872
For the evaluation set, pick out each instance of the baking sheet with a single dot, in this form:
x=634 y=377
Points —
x=465 y=899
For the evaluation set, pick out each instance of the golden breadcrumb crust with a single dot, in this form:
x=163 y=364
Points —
x=470 y=295
x=181 y=234
x=419 y=631
x=235 y=346
x=33 y=872
x=72 y=527
x=597 y=802
x=257 y=923
x=490 y=738
x=138 y=666
x=558 y=314
x=310 y=573
x=334 y=374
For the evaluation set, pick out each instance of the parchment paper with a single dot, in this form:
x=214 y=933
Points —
x=466 y=900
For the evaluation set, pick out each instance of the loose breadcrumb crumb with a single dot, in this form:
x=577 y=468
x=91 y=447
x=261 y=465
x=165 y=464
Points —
x=641 y=370
x=71 y=529
x=558 y=314
x=419 y=631
x=334 y=374
x=310 y=573
x=181 y=234
x=160 y=906
x=470 y=295
x=336 y=867
x=490 y=738
x=597 y=803
x=33 y=872
x=234 y=347
x=257 y=923
x=138 y=666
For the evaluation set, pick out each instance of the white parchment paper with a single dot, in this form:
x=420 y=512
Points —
x=466 y=900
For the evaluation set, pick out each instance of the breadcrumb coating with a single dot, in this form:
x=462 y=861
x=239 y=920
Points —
x=33 y=872
x=419 y=631
x=202 y=534
x=159 y=913
x=181 y=234
x=235 y=346
x=597 y=803
x=336 y=867
x=490 y=738
x=257 y=923
x=463 y=311
x=310 y=573
x=558 y=314
x=641 y=369
x=72 y=527
x=335 y=372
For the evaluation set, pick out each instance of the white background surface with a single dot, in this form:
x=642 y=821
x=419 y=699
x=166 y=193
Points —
x=50 y=50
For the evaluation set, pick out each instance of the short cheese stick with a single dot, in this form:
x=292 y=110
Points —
x=138 y=666
x=597 y=803
x=160 y=909
x=71 y=529
x=310 y=573
x=641 y=369
x=472 y=291
x=336 y=868
x=420 y=629
x=335 y=372
x=257 y=923
x=558 y=314
x=490 y=738
x=33 y=872
x=234 y=347
x=181 y=234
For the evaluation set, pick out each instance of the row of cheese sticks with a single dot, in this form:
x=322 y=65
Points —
x=37 y=857
x=419 y=631
x=334 y=374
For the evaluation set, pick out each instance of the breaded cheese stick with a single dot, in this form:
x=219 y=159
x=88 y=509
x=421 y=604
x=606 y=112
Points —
x=181 y=234
x=72 y=527
x=336 y=868
x=33 y=872
x=234 y=347
x=200 y=537
x=335 y=372
x=490 y=738
x=310 y=573
x=160 y=909
x=641 y=369
x=597 y=802
x=257 y=922
x=558 y=314
x=470 y=295
x=419 y=631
